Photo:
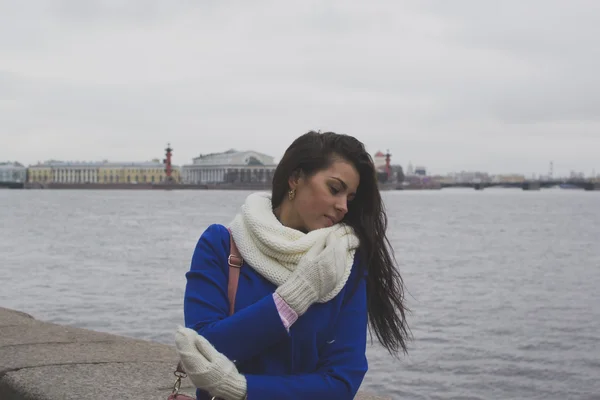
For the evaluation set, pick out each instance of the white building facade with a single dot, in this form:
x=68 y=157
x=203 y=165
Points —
x=12 y=172
x=75 y=173
x=230 y=167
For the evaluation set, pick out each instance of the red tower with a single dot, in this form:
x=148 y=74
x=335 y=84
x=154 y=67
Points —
x=167 y=162
x=388 y=168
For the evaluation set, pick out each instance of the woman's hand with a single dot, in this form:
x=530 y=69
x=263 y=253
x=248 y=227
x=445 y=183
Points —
x=315 y=276
x=207 y=368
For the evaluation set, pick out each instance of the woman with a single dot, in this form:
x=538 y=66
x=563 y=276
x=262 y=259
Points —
x=317 y=267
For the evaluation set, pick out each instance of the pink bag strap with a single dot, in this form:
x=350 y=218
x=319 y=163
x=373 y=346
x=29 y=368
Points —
x=235 y=262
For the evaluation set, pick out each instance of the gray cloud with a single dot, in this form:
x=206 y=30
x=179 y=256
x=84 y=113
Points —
x=452 y=85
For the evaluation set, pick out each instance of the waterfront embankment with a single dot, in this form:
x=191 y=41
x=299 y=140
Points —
x=40 y=360
x=588 y=185
x=180 y=186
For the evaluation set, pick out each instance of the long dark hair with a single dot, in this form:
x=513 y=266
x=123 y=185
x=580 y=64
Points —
x=314 y=152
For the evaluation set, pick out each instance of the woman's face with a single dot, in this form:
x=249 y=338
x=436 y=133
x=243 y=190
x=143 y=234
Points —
x=322 y=200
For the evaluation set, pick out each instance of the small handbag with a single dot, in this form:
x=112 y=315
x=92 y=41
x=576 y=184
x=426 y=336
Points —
x=235 y=262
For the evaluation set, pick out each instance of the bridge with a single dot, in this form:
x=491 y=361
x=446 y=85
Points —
x=527 y=185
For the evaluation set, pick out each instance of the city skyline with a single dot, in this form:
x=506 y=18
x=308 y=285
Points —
x=471 y=86
x=408 y=167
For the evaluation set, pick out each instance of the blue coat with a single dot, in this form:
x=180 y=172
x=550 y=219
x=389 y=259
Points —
x=321 y=358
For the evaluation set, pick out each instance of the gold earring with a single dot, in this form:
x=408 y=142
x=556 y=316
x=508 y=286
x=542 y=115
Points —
x=292 y=194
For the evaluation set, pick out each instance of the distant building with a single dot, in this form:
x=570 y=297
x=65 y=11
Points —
x=379 y=161
x=136 y=172
x=577 y=175
x=99 y=172
x=420 y=171
x=470 y=177
x=508 y=178
x=445 y=179
x=12 y=172
x=231 y=166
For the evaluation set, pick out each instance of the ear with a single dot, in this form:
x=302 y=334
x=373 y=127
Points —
x=295 y=179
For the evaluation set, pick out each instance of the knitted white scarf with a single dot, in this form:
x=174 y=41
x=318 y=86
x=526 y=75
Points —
x=274 y=250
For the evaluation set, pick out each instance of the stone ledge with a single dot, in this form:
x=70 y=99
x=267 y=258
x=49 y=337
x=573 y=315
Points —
x=134 y=380
x=45 y=361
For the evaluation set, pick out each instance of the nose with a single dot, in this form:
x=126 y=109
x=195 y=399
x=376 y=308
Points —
x=342 y=206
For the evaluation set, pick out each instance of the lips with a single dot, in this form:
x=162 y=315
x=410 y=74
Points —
x=330 y=219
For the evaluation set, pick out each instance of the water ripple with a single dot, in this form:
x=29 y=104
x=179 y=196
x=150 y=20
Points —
x=502 y=284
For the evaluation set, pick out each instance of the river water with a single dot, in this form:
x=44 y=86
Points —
x=503 y=284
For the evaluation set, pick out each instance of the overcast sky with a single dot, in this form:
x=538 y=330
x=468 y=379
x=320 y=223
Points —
x=499 y=86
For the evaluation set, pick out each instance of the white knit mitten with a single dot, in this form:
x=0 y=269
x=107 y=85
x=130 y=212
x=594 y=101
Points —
x=315 y=276
x=207 y=368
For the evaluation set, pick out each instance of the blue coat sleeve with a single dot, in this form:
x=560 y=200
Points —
x=342 y=366
x=206 y=306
